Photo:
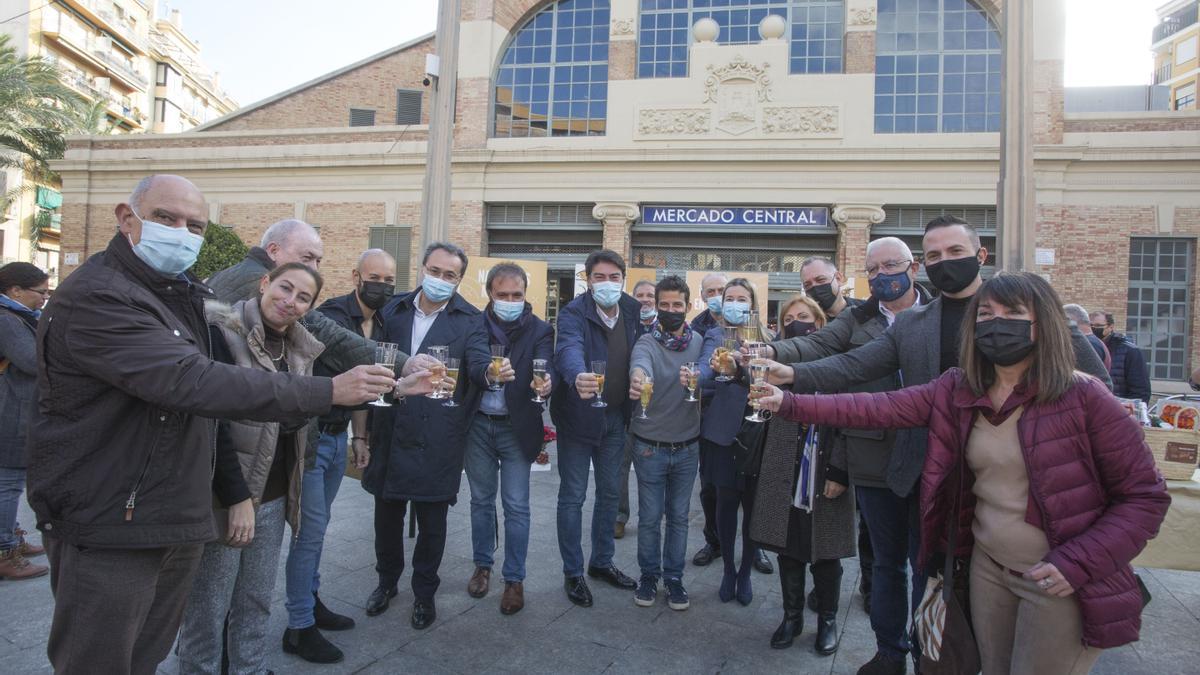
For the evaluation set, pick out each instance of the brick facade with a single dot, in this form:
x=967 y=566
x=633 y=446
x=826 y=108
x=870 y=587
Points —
x=1173 y=122
x=327 y=104
x=860 y=52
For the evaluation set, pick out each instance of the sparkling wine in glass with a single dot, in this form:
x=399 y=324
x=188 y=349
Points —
x=385 y=355
x=450 y=382
x=441 y=353
x=724 y=356
x=498 y=353
x=539 y=376
x=647 y=394
x=693 y=380
x=758 y=371
x=598 y=370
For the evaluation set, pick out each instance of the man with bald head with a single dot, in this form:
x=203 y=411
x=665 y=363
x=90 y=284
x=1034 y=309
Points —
x=374 y=280
x=121 y=448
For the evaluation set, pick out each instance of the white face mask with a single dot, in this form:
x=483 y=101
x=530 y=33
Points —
x=168 y=250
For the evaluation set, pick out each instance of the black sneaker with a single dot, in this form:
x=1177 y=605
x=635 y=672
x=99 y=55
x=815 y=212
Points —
x=677 y=595
x=884 y=665
x=647 y=591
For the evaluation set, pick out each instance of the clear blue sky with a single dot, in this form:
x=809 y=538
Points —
x=262 y=47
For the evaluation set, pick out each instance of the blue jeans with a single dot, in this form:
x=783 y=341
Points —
x=495 y=460
x=604 y=457
x=665 y=478
x=12 y=482
x=320 y=487
x=894 y=525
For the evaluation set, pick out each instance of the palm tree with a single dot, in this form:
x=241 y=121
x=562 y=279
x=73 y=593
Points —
x=36 y=112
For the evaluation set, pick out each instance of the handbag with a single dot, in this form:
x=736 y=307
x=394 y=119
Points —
x=943 y=621
x=748 y=448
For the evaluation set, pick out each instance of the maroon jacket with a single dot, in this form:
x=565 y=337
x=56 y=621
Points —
x=1093 y=486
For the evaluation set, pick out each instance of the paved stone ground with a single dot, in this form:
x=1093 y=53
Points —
x=553 y=636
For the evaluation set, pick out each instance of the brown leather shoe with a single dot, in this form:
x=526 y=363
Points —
x=619 y=530
x=477 y=587
x=27 y=549
x=14 y=566
x=514 y=598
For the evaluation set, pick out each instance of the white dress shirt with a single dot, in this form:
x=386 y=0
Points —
x=610 y=321
x=422 y=322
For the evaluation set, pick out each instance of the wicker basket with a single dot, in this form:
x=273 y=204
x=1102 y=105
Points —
x=1175 y=451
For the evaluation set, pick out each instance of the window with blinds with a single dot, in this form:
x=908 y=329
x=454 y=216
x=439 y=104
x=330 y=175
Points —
x=560 y=234
x=396 y=240
x=408 y=106
x=362 y=117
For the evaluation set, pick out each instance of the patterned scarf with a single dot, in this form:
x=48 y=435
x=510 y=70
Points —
x=675 y=343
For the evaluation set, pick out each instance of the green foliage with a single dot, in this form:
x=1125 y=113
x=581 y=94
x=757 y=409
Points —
x=222 y=248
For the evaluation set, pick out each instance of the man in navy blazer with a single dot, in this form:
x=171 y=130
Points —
x=505 y=434
x=418 y=444
x=598 y=326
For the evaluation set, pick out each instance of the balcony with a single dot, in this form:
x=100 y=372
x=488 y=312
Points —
x=123 y=68
x=1176 y=22
x=1162 y=73
x=96 y=51
x=101 y=13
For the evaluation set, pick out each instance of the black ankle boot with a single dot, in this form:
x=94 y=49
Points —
x=827 y=634
x=789 y=629
x=327 y=619
x=310 y=645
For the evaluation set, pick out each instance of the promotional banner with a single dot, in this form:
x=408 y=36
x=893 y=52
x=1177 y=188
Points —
x=474 y=284
x=637 y=274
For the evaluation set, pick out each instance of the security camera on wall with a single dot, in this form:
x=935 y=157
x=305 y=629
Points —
x=432 y=64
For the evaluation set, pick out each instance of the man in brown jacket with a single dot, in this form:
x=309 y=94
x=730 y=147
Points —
x=121 y=448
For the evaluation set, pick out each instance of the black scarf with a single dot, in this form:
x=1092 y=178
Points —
x=506 y=332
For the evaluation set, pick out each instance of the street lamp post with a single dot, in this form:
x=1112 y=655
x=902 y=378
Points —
x=435 y=198
x=1016 y=193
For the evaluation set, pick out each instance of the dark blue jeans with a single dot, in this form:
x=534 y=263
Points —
x=494 y=463
x=319 y=489
x=665 y=478
x=574 y=458
x=894 y=525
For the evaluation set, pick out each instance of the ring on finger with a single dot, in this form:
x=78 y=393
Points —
x=1046 y=583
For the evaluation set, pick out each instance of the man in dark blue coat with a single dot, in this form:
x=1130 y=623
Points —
x=419 y=443
x=598 y=326
x=1130 y=377
x=505 y=435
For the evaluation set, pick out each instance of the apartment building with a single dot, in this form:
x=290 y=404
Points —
x=1176 y=45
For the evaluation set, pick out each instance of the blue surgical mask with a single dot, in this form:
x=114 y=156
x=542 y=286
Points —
x=714 y=304
x=507 y=311
x=649 y=314
x=168 y=250
x=889 y=287
x=606 y=293
x=435 y=289
x=735 y=313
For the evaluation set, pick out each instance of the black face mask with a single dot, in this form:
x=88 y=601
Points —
x=824 y=295
x=671 y=321
x=1004 y=342
x=799 y=329
x=1098 y=332
x=375 y=294
x=952 y=276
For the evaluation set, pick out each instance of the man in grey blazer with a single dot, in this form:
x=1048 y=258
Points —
x=921 y=344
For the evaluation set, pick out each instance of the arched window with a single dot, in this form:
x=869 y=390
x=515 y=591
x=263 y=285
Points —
x=553 y=79
x=937 y=68
x=815 y=29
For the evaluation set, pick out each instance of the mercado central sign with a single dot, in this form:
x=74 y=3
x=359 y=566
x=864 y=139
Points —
x=801 y=216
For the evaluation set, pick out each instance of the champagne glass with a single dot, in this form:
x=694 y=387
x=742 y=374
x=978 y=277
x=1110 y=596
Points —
x=758 y=371
x=693 y=380
x=647 y=393
x=450 y=382
x=441 y=353
x=498 y=353
x=385 y=355
x=598 y=371
x=539 y=376
x=725 y=351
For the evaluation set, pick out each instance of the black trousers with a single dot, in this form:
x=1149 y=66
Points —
x=116 y=610
x=827 y=583
x=708 y=503
x=427 y=554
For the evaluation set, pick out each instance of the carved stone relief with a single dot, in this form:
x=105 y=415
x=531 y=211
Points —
x=674 y=122
x=862 y=17
x=621 y=28
x=814 y=121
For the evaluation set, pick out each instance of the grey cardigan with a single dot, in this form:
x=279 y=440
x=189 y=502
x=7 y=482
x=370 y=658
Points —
x=18 y=344
x=912 y=346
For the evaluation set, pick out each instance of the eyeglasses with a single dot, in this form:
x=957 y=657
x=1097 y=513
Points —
x=890 y=267
x=39 y=291
x=444 y=275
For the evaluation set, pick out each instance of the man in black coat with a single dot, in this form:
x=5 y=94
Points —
x=505 y=435
x=419 y=443
x=121 y=445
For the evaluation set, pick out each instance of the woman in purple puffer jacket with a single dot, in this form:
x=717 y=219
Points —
x=1059 y=491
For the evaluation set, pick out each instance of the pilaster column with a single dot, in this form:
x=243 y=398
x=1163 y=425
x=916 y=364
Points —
x=854 y=223
x=861 y=24
x=618 y=218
